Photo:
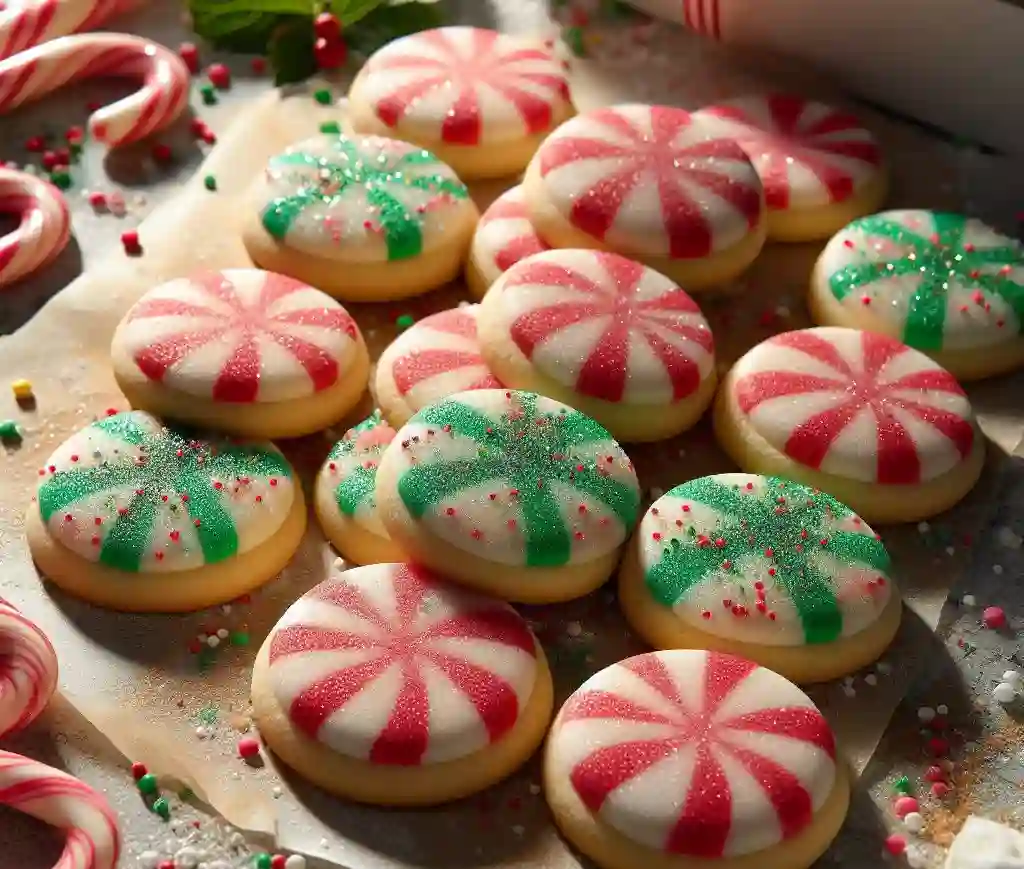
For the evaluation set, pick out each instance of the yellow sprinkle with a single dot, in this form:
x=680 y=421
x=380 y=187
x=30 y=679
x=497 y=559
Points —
x=22 y=390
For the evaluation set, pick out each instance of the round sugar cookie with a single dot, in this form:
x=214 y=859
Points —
x=436 y=357
x=859 y=415
x=514 y=494
x=387 y=685
x=653 y=183
x=503 y=236
x=242 y=351
x=819 y=165
x=345 y=501
x=944 y=284
x=692 y=760
x=763 y=568
x=366 y=219
x=604 y=334
x=135 y=516
x=479 y=99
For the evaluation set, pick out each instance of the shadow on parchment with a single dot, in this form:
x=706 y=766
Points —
x=22 y=300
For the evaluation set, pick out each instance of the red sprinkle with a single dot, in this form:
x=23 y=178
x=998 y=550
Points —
x=994 y=617
x=938 y=746
x=277 y=861
x=73 y=135
x=940 y=789
x=130 y=242
x=935 y=773
x=248 y=747
x=35 y=144
x=190 y=54
x=259 y=65
x=138 y=770
x=219 y=76
x=904 y=806
x=895 y=845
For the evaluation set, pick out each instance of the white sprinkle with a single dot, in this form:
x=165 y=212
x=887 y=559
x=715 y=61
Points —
x=213 y=641
x=534 y=788
x=883 y=667
x=518 y=829
x=325 y=845
x=942 y=709
x=849 y=691
x=226 y=609
x=925 y=714
x=295 y=861
x=1014 y=677
x=997 y=569
x=186 y=858
x=916 y=858
x=202 y=732
x=1004 y=693
x=914 y=821
x=1006 y=537
x=950 y=550
x=201 y=638
x=276 y=793
x=574 y=629
x=149 y=860
x=339 y=564
x=871 y=679
x=968 y=600
x=222 y=633
x=923 y=527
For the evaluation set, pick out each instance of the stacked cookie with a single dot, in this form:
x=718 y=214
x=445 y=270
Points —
x=493 y=472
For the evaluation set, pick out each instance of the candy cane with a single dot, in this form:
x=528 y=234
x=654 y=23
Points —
x=28 y=678
x=163 y=96
x=43 y=231
x=24 y=23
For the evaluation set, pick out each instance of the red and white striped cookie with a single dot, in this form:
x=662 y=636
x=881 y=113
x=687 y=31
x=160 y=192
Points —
x=435 y=358
x=389 y=670
x=503 y=236
x=820 y=166
x=480 y=99
x=652 y=182
x=239 y=337
x=845 y=411
x=605 y=334
x=693 y=754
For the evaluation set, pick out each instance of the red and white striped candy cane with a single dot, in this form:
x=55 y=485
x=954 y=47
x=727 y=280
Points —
x=44 y=227
x=28 y=678
x=163 y=75
x=25 y=23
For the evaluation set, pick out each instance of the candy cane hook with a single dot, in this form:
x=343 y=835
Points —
x=25 y=23
x=28 y=677
x=164 y=79
x=43 y=231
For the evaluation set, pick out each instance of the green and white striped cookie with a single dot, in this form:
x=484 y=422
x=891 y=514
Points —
x=363 y=218
x=945 y=284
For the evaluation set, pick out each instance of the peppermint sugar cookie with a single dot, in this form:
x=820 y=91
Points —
x=434 y=358
x=653 y=183
x=503 y=236
x=763 y=568
x=386 y=685
x=820 y=166
x=243 y=351
x=859 y=415
x=365 y=219
x=944 y=284
x=134 y=516
x=345 y=502
x=511 y=493
x=687 y=759
x=480 y=100
x=605 y=334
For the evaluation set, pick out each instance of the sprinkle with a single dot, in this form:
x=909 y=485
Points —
x=994 y=617
x=295 y=861
x=138 y=770
x=1004 y=693
x=162 y=152
x=208 y=94
x=22 y=390
x=248 y=748
x=130 y=242
x=938 y=746
x=940 y=789
x=330 y=128
x=914 y=822
x=219 y=76
x=162 y=807
x=904 y=806
x=926 y=714
x=258 y=65
x=902 y=785
x=404 y=321
x=968 y=600
x=147 y=784
x=323 y=96
x=895 y=845
x=210 y=183
x=9 y=431
x=190 y=54
x=263 y=861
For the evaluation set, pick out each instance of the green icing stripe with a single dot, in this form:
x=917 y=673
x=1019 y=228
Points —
x=128 y=540
x=936 y=261
x=381 y=181
x=753 y=523
x=354 y=489
x=216 y=532
x=526 y=451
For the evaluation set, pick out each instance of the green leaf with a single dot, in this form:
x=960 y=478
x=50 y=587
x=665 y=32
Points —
x=351 y=11
x=291 y=51
x=392 y=20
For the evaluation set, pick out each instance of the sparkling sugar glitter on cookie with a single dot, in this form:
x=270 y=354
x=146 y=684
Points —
x=355 y=174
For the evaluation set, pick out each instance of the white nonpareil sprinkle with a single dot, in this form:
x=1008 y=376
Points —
x=914 y=821
x=950 y=550
x=1004 y=692
x=574 y=629
x=149 y=860
x=997 y=569
x=968 y=600
x=942 y=709
x=871 y=679
x=295 y=861
x=849 y=691
x=1006 y=537
x=213 y=641
x=916 y=858
x=923 y=527
x=222 y=633
x=925 y=714
x=1013 y=676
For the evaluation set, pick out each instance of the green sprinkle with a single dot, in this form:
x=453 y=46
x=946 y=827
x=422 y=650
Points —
x=573 y=37
x=239 y=638
x=9 y=430
x=147 y=784
x=209 y=94
x=206 y=658
x=263 y=861
x=404 y=322
x=61 y=180
x=323 y=96
x=330 y=127
x=162 y=807
x=210 y=183
x=208 y=716
x=902 y=785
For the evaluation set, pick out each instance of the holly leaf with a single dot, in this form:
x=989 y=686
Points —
x=351 y=11
x=392 y=20
x=290 y=51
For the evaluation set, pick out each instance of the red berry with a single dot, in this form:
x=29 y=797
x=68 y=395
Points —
x=138 y=770
x=248 y=747
x=190 y=54
x=219 y=76
x=330 y=55
x=327 y=26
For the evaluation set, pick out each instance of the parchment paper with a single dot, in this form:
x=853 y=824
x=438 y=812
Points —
x=133 y=678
